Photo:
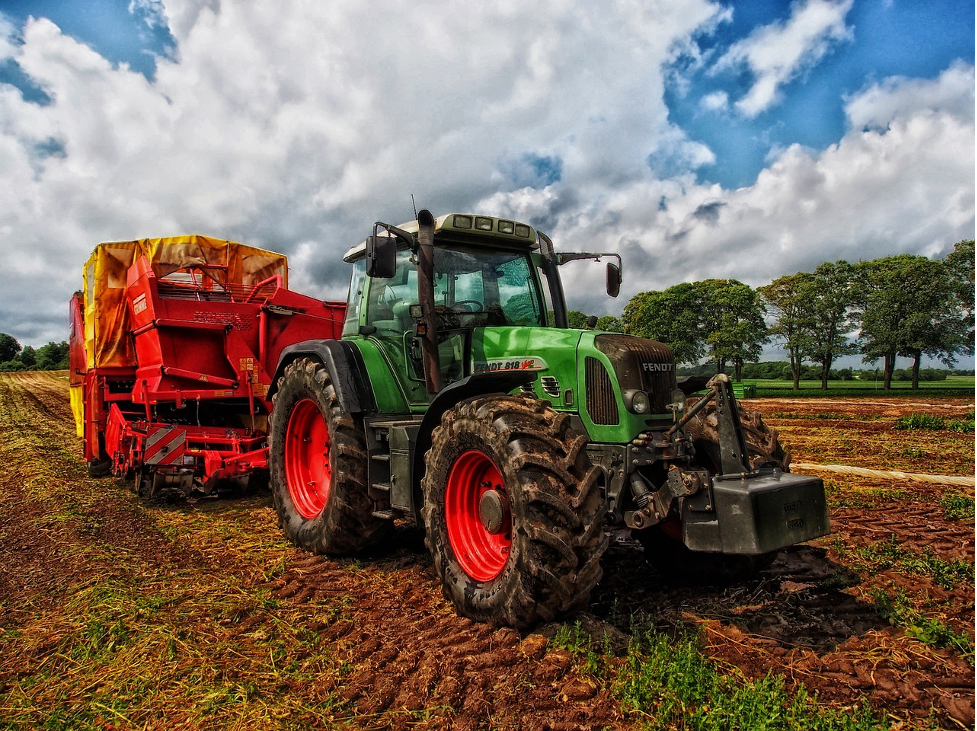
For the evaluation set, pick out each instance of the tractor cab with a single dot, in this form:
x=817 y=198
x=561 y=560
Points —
x=426 y=306
x=477 y=278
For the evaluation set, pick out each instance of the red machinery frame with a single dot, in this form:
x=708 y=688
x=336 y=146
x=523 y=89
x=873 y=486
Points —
x=191 y=411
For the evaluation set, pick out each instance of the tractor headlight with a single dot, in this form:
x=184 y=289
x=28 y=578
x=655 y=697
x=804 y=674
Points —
x=678 y=400
x=637 y=401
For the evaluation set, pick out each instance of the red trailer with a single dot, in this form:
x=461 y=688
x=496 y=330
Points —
x=173 y=345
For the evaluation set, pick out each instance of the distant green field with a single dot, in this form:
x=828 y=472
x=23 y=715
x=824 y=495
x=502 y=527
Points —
x=952 y=386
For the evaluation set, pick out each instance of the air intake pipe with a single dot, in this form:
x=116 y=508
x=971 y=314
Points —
x=427 y=327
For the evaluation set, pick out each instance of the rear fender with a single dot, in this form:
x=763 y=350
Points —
x=480 y=384
x=345 y=366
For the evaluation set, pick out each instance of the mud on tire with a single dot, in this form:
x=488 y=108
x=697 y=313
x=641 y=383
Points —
x=762 y=443
x=318 y=463
x=543 y=558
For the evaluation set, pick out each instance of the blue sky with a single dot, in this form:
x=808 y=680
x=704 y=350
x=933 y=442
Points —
x=888 y=38
x=696 y=138
x=118 y=33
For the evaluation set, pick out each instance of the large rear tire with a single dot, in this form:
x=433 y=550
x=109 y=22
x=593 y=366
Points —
x=513 y=515
x=318 y=462
x=663 y=543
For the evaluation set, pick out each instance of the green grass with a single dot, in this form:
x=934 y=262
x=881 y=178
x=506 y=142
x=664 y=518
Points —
x=932 y=422
x=573 y=639
x=841 y=495
x=668 y=682
x=899 y=611
x=957 y=507
x=891 y=554
x=672 y=684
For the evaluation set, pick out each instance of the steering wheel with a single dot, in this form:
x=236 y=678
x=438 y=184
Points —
x=467 y=306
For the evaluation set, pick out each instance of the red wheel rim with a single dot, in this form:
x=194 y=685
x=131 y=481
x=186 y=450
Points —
x=307 y=472
x=481 y=554
x=672 y=528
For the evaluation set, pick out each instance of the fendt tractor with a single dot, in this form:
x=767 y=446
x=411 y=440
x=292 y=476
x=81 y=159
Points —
x=455 y=395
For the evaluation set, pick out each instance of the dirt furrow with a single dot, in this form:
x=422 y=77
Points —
x=406 y=649
x=234 y=619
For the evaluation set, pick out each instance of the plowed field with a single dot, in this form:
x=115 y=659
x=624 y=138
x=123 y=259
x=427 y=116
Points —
x=115 y=614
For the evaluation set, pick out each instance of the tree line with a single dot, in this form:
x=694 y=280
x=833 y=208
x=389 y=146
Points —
x=780 y=370
x=897 y=306
x=50 y=357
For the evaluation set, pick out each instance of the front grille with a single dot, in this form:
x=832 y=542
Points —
x=601 y=404
x=642 y=364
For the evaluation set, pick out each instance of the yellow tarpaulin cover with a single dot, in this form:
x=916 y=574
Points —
x=76 y=392
x=107 y=338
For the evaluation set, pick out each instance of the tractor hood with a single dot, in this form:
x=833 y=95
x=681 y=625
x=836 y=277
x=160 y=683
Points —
x=620 y=385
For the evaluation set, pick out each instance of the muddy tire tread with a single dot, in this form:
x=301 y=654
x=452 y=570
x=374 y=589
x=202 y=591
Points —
x=346 y=523
x=558 y=512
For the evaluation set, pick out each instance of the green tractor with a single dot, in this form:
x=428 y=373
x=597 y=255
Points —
x=458 y=397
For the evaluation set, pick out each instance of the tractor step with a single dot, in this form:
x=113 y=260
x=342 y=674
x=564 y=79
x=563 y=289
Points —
x=390 y=424
x=389 y=445
x=385 y=514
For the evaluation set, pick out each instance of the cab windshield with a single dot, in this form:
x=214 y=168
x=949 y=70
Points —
x=472 y=288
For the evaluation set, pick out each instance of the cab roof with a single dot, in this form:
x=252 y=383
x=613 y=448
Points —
x=473 y=228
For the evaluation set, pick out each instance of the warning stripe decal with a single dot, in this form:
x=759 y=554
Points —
x=162 y=446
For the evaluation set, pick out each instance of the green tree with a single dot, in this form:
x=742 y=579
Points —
x=833 y=315
x=908 y=309
x=9 y=347
x=53 y=356
x=960 y=269
x=673 y=316
x=791 y=297
x=28 y=356
x=576 y=320
x=610 y=324
x=733 y=324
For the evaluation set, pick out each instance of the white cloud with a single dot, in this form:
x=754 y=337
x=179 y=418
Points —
x=151 y=12
x=282 y=124
x=880 y=104
x=905 y=187
x=294 y=126
x=715 y=101
x=775 y=54
x=8 y=34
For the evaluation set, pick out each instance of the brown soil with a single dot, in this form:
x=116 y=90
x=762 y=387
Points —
x=216 y=601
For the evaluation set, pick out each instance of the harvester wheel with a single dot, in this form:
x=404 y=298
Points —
x=99 y=467
x=663 y=543
x=318 y=464
x=513 y=515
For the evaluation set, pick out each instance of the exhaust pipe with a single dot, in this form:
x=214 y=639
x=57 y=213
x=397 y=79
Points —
x=428 y=324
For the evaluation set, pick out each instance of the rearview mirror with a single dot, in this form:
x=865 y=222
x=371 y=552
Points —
x=381 y=257
x=613 y=279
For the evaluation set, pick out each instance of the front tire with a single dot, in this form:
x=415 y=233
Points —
x=762 y=442
x=513 y=515
x=317 y=463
